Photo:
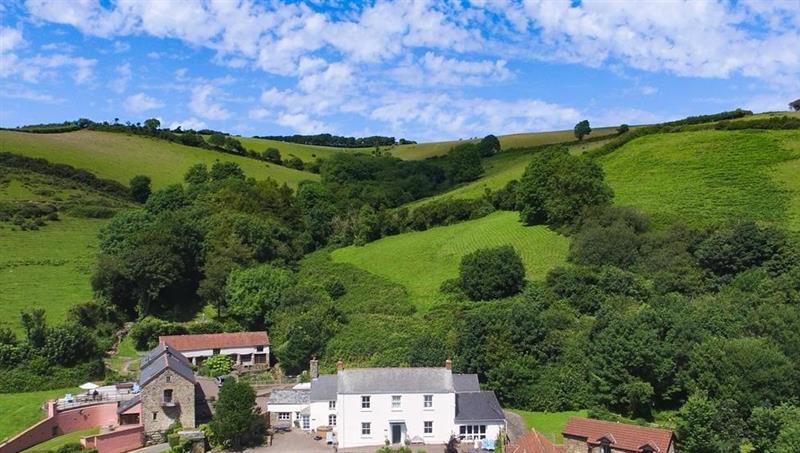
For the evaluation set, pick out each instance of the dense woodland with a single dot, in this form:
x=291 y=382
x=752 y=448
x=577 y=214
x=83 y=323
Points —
x=696 y=328
x=338 y=140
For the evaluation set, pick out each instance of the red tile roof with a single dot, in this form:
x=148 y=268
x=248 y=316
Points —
x=534 y=442
x=215 y=340
x=624 y=437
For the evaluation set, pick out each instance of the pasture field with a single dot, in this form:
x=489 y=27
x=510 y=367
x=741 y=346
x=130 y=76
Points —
x=59 y=441
x=549 y=424
x=47 y=268
x=710 y=176
x=421 y=261
x=306 y=153
x=527 y=140
x=498 y=171
x=21 y=410
x=120 y=156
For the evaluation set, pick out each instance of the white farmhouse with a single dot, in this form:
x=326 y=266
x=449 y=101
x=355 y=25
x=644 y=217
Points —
x=368 y=406
x=249 y=349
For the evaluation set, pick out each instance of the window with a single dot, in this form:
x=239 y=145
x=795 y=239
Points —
x=395 y=401
x=285 y=416
x=169 y=378
x=428 y=428
x=428 y=401
x=332 y=405
x=167 y=395
x=215 y=351
x=364 y=402
x=472 y=432
x=332 y=420
x=366 y=429
x=306 y=422
x=605 y=447
x=155 y=414
x=259 y=348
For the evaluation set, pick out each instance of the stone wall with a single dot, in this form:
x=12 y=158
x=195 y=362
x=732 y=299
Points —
x=157 y=417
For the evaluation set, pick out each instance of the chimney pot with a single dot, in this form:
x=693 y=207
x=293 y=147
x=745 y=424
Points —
x=448 y=364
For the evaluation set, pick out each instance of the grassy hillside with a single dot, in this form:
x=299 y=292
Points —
x=21 y=410
x=120 y=156
x=425 y=150
x=499 y=170
x=549 y=424
x=306 y=153
x=709 y=176
x=421 y=261
x=48 y=267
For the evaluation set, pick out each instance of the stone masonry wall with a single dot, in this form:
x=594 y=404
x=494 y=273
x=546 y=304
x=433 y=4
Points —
x=156 y=417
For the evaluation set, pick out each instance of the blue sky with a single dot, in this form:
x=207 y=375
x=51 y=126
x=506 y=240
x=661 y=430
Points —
x=420 y=70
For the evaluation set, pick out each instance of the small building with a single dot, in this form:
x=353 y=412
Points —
x=534 y=442
x=372 y=406
x=167 y=394
x=249 y=349
x=584 y=435
x=795 y=105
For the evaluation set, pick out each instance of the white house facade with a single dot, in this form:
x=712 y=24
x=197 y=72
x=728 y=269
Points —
x=248 y=349
x=369 y=406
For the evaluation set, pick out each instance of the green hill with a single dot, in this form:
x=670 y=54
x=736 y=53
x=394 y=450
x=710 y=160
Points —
x=709 y=176
x=421 y=261
x=425 y=150
x=306 y=153
x=50 y=266
x=120 y=157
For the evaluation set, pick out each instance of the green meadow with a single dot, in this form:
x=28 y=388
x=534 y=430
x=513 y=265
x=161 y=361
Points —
x=710 y=176
x=549 y=424
x=421 y=261
x=120 y=156
x=306 y=153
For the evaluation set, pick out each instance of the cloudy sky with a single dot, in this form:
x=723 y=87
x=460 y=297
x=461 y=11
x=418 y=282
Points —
x=420 y=70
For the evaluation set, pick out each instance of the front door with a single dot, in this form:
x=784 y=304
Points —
x=397 y=432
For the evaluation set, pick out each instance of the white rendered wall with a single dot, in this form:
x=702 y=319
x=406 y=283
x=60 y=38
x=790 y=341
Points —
x=293 y=409
x=381 y=415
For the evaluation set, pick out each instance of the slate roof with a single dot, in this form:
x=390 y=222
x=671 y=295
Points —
x=624 y=437
x=215 y=340
x=125 y=405
x=534 y=442
x=394 y=380
x=323 y=388
x=157 y=352
x=289 y=396
x=478 y=406
x=466 y=383
x=166 y=359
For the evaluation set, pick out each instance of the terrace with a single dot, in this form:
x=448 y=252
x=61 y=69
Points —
x=105 y=394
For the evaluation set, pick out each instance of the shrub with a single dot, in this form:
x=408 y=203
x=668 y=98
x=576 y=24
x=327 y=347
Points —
x=492 y=273
x=140 y=188
x=218 y=365
x=145 y=333
x=237 y=423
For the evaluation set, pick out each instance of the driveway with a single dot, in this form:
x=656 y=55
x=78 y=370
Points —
x=297 y=441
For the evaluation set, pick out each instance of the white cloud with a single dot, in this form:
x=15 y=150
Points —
x=141 y=102
x=122 y=77
x=10 y=39
x=14 y=91
x=435 y=70
x=202 y=103
x=189 y=123
x=121 y=46
x=302 y=123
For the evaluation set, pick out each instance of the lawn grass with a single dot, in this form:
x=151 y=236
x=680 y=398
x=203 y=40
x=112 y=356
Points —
x=306 y=153
x=706 y=177
x=126 y=355
x=58 y=441
x=120 y=156
x=527 y=140
x=421 y=261
x=18 y=411
x=549 y=424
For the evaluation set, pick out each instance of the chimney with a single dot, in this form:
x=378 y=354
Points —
x=313 y=368
x=448 y=364
x=340 y=365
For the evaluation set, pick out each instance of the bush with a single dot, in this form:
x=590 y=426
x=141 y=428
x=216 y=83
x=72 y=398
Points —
x=492 y=273
x=237 y=423
x=218 y=365
x=145 y=333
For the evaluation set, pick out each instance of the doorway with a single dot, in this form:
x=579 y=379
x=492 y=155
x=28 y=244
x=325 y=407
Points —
x=397 y=433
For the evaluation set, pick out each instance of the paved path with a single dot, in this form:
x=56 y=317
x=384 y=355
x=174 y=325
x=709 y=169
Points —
x=157 y=448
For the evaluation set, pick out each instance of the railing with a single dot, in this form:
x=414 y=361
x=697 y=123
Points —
x=88 y=400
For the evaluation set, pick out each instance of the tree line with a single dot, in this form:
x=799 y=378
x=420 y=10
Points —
x=338 y=140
